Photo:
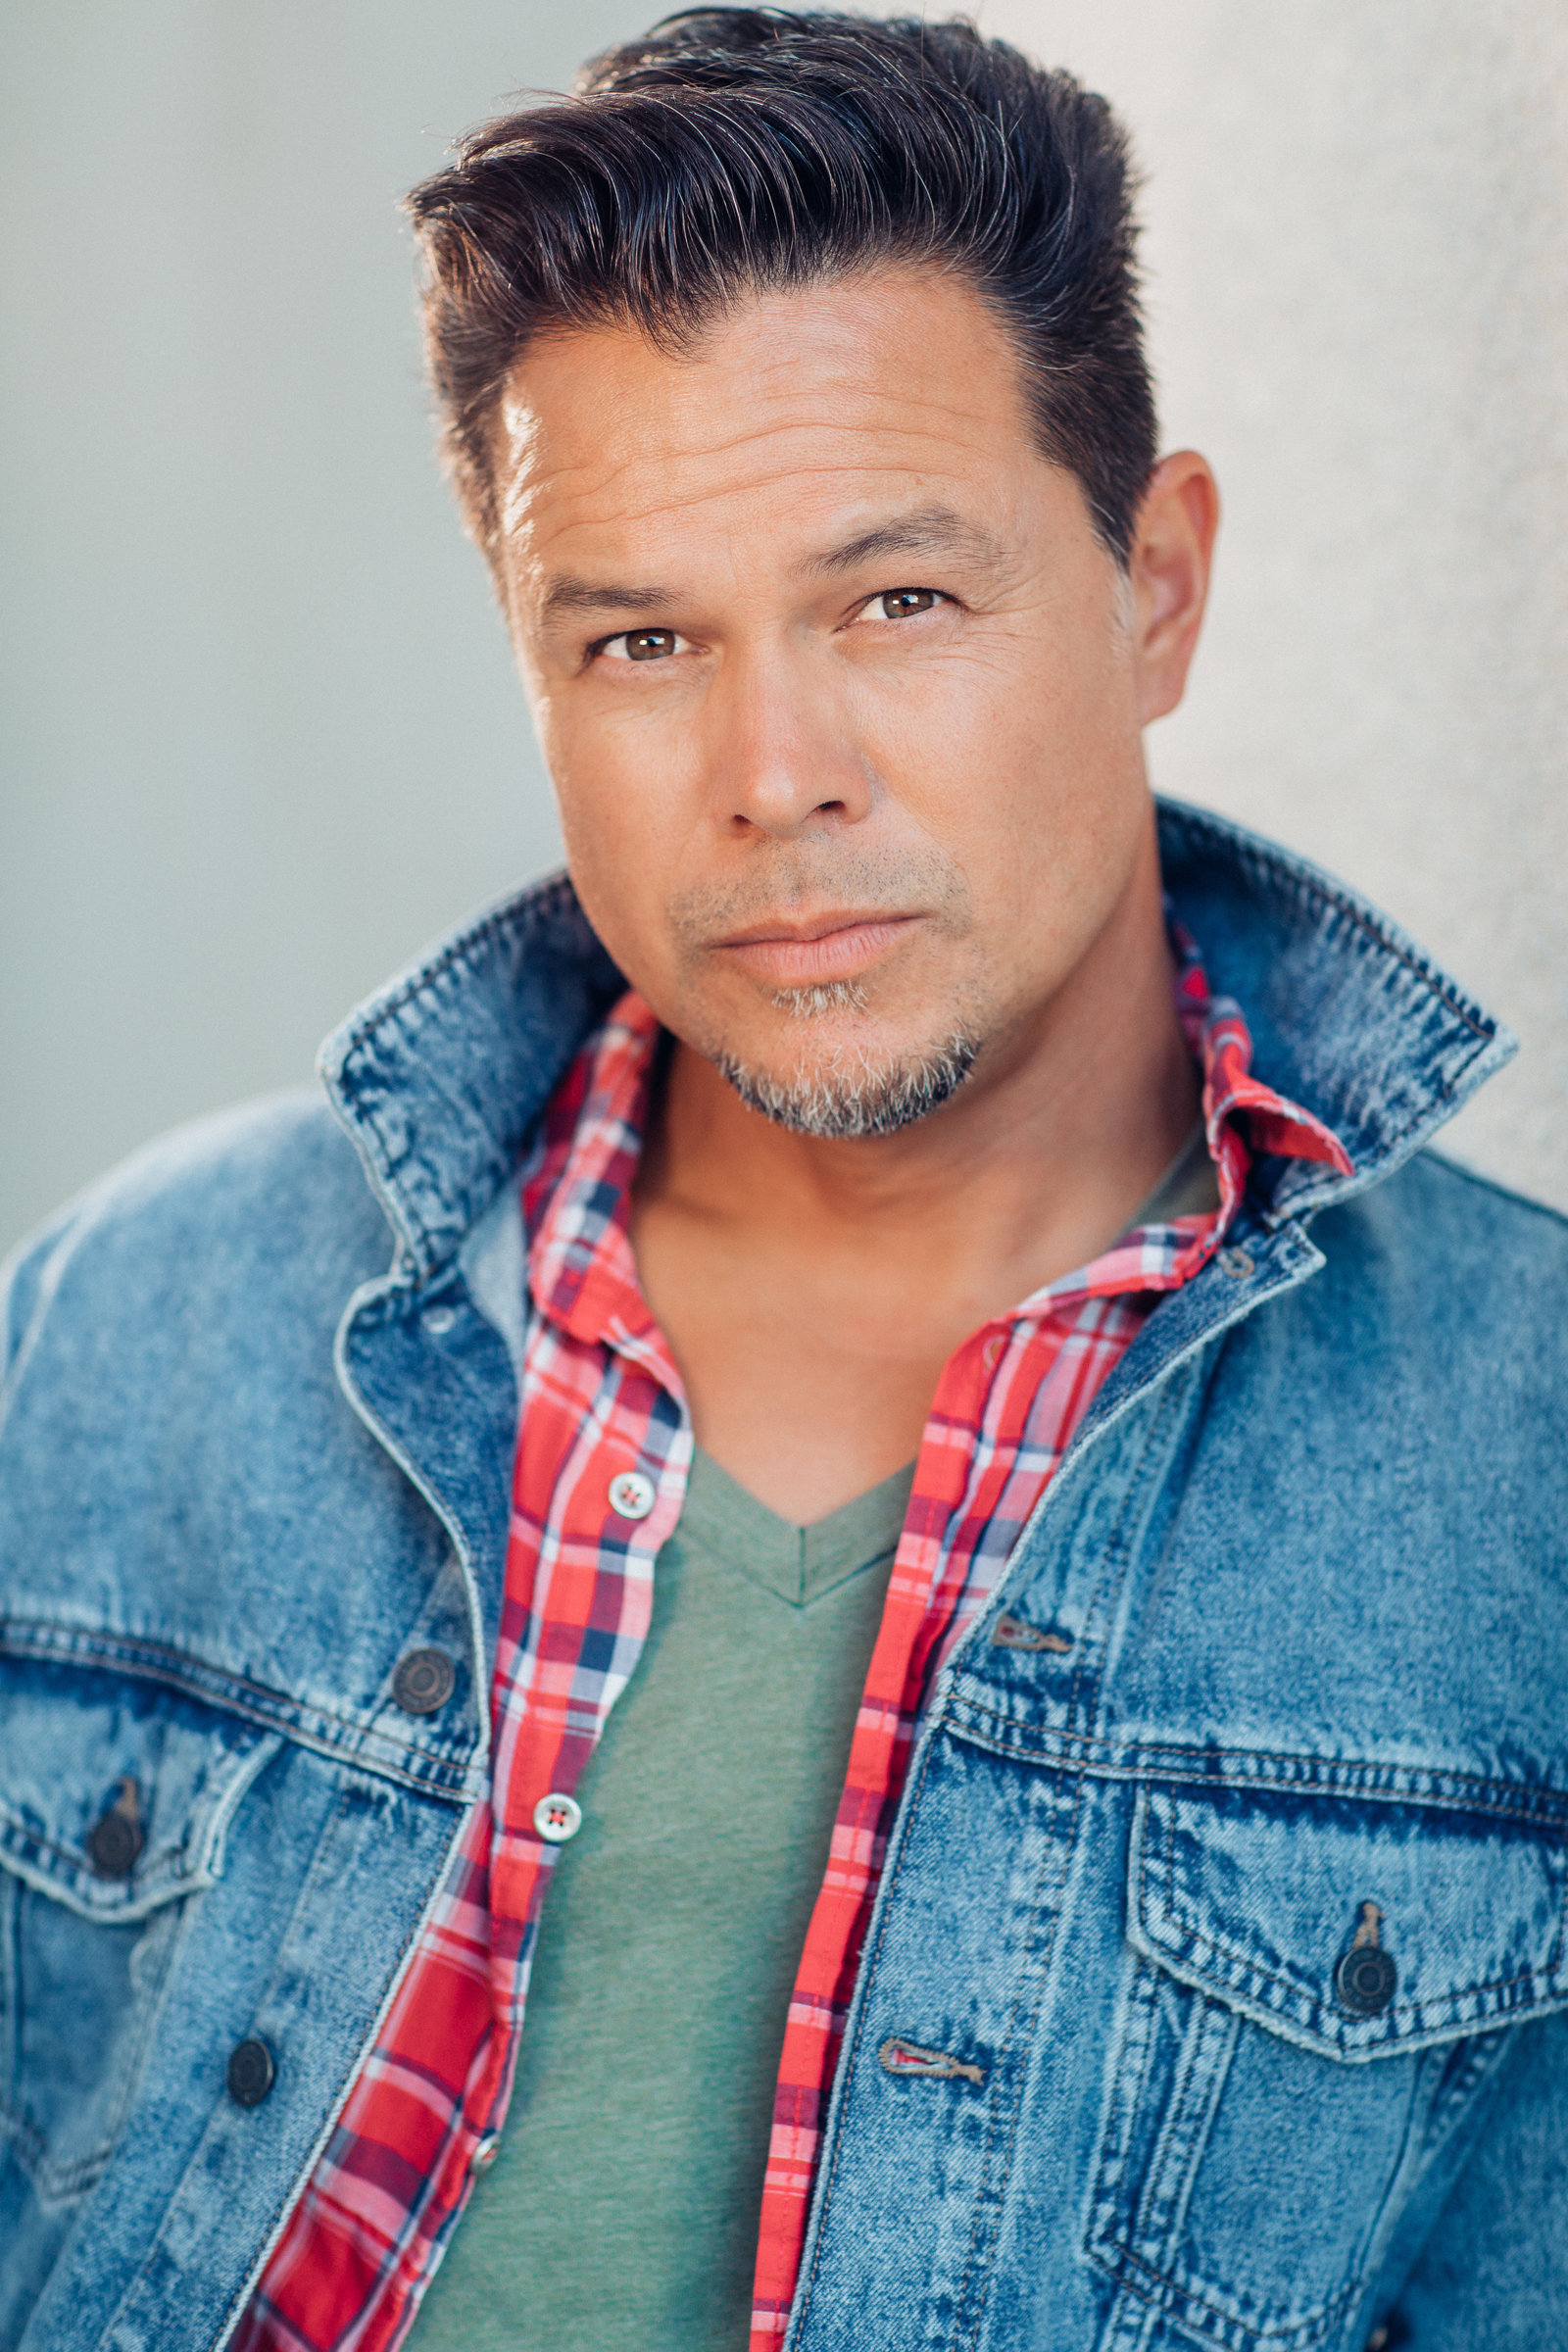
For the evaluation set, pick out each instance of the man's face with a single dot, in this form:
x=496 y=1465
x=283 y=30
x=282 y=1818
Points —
x=841 y=694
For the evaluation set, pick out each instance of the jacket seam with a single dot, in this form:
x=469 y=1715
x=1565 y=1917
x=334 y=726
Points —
x=509 y=919
x=1304 y=1202
x=509 y=916
x=1420 y=1118
x=982 y=2253
x=1156 y=1764
x=1165 y=2291
x=1087 y=1694
x=253 y=1702
x=1303 y=882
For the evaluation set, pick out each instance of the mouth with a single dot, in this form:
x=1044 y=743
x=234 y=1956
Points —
x=820 y=947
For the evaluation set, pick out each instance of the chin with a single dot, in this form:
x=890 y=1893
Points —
x=840 y=1090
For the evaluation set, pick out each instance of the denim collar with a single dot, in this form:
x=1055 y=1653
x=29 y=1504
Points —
x=440 y=1077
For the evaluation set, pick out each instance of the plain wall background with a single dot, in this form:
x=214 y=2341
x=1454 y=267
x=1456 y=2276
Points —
x=259 y=733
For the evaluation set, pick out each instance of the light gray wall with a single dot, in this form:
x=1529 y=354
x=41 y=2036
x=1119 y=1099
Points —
x=1358 y=247
x=261 y=736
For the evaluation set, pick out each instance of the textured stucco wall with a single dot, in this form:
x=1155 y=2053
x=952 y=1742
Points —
x=259 y=736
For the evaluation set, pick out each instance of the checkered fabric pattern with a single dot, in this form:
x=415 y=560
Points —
x=601 y=1399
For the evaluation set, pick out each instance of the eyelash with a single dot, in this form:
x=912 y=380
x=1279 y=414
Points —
x=626 y=637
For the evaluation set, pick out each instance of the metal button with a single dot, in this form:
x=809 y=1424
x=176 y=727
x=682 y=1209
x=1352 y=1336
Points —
x=250 y=2073
x=115 y=1843
x=557 y=1818
x=423 y=1681
x=438 y=1320
x=631 y=1496
x=1365 y=1979
x=485 y=2154
x=1238 y=1263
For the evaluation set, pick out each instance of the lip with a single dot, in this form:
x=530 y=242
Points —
x=825 y=947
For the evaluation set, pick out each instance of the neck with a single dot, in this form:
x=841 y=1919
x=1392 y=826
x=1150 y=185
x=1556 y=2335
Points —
x=811 y=1292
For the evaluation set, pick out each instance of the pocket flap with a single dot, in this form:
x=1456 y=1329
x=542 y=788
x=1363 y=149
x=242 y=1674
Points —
x=116 y=1793
x=1272 y=1905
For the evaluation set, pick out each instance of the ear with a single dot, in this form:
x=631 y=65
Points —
x=1168 y=571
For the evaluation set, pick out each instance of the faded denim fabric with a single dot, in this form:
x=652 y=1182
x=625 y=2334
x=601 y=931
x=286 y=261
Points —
x=1309 y=1555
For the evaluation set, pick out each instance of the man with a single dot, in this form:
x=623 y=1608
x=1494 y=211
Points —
x=934 y=1460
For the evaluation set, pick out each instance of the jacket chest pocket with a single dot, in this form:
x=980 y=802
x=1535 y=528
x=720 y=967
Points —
x=114 y=1797
x=1316 y=1999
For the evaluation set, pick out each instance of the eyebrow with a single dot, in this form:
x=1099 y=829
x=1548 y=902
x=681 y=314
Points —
x=569 y=594
x=929 y=532
x=934 y=530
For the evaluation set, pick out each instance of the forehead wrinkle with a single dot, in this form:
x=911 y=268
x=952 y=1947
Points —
x=673 y=508
x=532 y=478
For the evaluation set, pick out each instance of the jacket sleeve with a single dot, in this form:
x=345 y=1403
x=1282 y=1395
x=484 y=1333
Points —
x=1494 y=2269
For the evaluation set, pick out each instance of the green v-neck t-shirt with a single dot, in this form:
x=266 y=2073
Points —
x=620 y=2214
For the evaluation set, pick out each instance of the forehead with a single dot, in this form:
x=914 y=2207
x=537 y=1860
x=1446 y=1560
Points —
x=797 y=410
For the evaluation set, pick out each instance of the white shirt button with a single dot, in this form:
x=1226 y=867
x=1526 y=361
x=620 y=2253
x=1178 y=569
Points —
x=557 y=1818
x=485 y=2154
x=631 y=1496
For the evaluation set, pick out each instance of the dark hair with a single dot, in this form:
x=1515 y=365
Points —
x=743 y=150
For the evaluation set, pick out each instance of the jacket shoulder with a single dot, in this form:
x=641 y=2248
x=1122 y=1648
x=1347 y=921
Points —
x=270 y=1193
x=1481 y=1206
x=1438 y=1247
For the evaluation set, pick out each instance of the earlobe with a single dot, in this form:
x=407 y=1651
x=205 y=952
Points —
x=1169 y=568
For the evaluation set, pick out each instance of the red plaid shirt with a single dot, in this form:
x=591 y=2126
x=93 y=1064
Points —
x=601 y=1398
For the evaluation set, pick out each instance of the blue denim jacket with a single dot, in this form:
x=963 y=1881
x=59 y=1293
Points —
x=1307 y=1555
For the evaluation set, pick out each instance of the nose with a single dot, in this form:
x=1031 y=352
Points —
x=781 y=751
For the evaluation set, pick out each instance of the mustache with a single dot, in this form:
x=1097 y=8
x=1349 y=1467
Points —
x=800 y=876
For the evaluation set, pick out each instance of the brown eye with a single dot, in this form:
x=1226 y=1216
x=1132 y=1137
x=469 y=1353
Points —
x=648 y=645
x=899 y=604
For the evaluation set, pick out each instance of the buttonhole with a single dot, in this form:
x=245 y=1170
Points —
x=1016 y=1633
x=115 y=1843
x=900 y=2057
x=1366 y=1975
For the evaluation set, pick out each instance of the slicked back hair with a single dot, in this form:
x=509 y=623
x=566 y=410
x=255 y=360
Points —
x=736 y=152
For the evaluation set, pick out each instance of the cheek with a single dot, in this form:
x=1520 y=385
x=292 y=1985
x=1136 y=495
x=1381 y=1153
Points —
x=1014 y=753
x=1032 y=780
x=593 y=782
x=622 y=843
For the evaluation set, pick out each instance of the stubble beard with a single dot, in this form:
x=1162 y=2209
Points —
x=856 y=1092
